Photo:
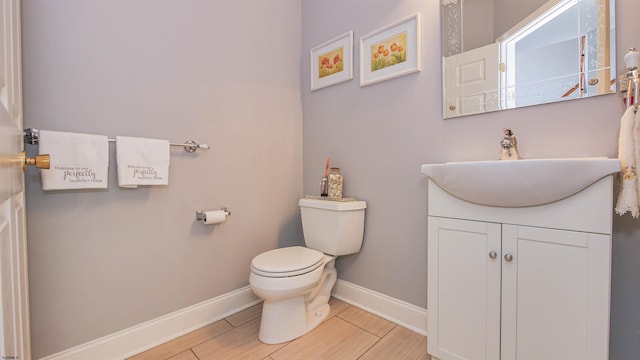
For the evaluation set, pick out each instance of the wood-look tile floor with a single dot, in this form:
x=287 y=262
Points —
x=348 y=333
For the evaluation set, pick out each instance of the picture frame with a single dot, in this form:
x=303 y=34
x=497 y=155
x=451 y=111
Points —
x=391 y=51
x=332 y=61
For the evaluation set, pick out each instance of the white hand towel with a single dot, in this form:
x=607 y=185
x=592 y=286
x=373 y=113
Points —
x=628 y=153
x=142 y=161
x=636 y=157
x=78 y=161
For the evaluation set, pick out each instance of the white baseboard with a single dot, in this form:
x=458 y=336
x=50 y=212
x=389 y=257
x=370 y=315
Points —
x=136 y=339
x=402 y=313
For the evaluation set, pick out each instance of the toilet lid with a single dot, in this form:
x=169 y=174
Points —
x=289 y=261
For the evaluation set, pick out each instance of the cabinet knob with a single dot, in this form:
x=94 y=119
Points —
x=493 y=254
x=508 y=257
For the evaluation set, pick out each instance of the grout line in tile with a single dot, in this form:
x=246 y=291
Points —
x=213 y=337
x=367 y=331
x=196 y=355
x=370 y=347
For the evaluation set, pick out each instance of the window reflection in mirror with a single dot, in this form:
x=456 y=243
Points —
x=504 y=54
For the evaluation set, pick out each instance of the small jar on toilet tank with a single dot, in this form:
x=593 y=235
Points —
x=335 y=184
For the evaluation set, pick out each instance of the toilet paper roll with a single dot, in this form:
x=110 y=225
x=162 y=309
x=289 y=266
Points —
x=214 y=216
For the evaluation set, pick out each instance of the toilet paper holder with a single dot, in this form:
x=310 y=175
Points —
x=201 y=216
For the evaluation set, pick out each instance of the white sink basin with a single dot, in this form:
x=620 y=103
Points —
x=517 y=183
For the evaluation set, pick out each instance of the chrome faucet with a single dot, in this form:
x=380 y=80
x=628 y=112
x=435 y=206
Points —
x=509 y=146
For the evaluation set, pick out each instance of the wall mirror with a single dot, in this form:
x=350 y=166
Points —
x=505 y=54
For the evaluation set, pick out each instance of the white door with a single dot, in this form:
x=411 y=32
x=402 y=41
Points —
x=471 y=81
x=464 y=289
x=555 y=302
x=14 y=317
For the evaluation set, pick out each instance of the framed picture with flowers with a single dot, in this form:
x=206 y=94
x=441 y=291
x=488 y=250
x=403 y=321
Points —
x=391 y=51
x=332 y=61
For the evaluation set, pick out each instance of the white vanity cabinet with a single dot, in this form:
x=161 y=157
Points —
x=526 y=283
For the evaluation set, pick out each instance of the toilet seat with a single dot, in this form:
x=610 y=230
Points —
x=286 y=262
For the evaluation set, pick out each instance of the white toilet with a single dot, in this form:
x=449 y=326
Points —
x=295 y=282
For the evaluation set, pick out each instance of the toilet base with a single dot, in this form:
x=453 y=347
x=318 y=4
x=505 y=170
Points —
x=314 y=318
x=287 y=319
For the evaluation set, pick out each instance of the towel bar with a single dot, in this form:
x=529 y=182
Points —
x=189 y=145
x=32 y=136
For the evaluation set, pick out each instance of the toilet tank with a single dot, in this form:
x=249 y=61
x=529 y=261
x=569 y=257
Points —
x=333 y=227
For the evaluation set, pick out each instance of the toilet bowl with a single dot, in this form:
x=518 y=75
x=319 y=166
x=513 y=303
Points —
x=295 y=282
x=295 y=300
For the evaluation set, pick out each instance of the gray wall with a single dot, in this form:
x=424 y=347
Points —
x=217 y=71
x=486 y=20
x=507 y=13
x=477 y=17
x=101 y=261
x=380 y=135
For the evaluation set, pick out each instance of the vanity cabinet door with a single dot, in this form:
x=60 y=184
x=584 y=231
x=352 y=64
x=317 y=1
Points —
x=555 y=294
x=464 y=262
